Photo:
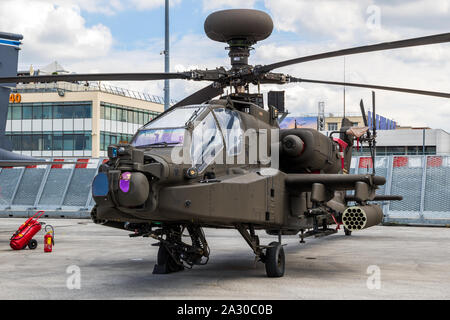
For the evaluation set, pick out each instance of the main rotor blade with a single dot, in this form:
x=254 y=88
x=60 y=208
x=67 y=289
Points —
x=200 y=96
x=97 y=77
x=360 y=85
x=439 y=38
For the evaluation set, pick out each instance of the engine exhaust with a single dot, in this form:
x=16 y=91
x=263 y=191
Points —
x=358 y=218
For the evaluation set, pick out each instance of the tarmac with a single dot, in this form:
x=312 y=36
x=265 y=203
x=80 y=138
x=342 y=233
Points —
x=95 y=262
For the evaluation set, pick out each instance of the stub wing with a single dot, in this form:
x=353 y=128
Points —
x=324 y=186
x=337 y=182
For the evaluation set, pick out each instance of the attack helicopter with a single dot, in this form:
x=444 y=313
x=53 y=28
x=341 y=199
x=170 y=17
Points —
x=216 y=160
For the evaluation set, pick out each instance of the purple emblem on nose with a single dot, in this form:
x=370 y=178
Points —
x=124 y=182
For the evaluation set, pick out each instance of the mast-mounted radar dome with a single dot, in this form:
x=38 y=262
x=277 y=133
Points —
x=238 y=24
x=240 y=28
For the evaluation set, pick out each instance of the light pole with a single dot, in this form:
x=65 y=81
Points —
x=167 y=61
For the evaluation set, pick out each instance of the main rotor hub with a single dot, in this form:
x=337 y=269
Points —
x=240 y=28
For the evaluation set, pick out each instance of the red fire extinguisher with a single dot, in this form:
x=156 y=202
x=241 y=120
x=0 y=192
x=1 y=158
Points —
x=49 y=239
x=24 y=235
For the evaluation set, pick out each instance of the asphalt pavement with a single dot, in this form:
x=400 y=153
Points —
x=95 y=262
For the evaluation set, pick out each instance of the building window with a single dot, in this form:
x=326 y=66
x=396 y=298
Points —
x=27 y=112
x=124 y=114
x=17 y=112
x=16 y=142
x=68 y=142
x=79 y=141
x=37 y=112
x=57 y=142
x=396 y=150
x=48 y=141
x=52 y=141
x=430 y=150
x=381 y=151
x=355 y=124
x=67 y=112
x=332 y=126
x=413 y=150
x=107 y=113
x=27 y=143
x=113 y=114
x=82 y=112
x=47 y=112
x=107 y=139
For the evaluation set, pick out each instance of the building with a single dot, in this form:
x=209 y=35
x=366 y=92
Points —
x=75 y=120
x=333 y=122
x=391 y=138
x=419 y=141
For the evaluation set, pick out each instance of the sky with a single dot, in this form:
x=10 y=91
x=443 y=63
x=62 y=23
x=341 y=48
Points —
x=128 y=36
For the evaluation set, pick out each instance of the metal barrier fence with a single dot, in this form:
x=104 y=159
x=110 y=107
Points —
x=423 y=181
x=64 y=190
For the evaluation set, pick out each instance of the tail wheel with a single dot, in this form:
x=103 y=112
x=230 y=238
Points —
x=275 y=260
x=32 y=244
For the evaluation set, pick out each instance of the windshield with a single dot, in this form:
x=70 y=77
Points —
x=161 y=137
x=230 y=123
x=206 y=143
x=176 y=118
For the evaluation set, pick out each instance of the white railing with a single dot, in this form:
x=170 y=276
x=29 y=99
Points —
x=88 y=86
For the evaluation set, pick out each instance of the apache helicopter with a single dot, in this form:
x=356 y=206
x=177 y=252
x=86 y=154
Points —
x=145 y=188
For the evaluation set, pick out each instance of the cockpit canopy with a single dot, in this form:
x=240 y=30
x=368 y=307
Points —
x=167 y=130
x=214 y=128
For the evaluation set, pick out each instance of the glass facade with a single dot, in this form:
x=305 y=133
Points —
x=51 y=141
x=107 y=138
x=118 y=124
x=119 y=113
x=50 y=110
x=51 y=128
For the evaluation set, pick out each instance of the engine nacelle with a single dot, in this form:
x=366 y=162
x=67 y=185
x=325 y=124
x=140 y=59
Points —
x=307 y=150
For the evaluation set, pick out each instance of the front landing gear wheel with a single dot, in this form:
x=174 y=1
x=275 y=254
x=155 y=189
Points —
x=275 y=260
x=347 y=232
x=166 y=263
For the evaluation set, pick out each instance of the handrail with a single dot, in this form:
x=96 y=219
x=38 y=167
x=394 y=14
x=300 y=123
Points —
x=88 y=87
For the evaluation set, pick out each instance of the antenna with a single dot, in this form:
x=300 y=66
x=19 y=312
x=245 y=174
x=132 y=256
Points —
x=344 y=87
x=374 y=152
x=167 y=60
x=321 y=117
x=370 y=138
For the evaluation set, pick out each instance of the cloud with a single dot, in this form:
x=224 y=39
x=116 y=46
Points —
x=209 y=5
x=304 y=27
x=112 y=7
x=57 y=32
x=380 y=68
x=339 y=19
x=328 y=25
x=106 y=7
x=152 y=4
